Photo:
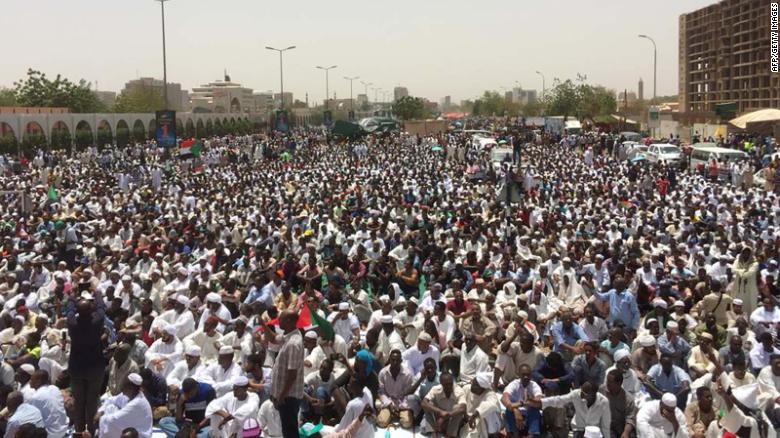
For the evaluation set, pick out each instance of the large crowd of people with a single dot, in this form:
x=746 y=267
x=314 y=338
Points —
x=301 y=286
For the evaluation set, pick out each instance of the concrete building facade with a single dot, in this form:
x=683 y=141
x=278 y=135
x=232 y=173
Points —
x=222 y=97
x=399 y=92
x=724 y=54
x=177 y=98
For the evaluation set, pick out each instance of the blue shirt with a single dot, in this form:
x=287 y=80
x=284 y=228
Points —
x=622 y=307
x=671 y=382
x=569 y=337
x=679 y=345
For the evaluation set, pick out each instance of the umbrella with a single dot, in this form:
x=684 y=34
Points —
x=764 y=115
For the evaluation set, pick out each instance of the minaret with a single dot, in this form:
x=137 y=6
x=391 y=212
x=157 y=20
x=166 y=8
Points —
x=640 y=92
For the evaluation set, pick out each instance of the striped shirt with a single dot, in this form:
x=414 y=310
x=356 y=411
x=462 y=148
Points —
x=290 y=359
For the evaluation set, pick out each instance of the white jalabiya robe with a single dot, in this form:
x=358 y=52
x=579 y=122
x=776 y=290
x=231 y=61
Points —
x=171 y=353
x=120 y=413
x=239 y=409
x=489 y=408
x=735 y=418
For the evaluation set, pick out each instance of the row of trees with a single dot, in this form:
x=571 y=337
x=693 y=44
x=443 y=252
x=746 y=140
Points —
x=566 y=98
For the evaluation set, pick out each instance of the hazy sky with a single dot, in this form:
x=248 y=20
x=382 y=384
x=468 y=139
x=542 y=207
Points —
x=433 y=47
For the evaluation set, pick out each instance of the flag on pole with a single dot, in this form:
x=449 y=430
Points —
x=189 y=149
x=307 y=318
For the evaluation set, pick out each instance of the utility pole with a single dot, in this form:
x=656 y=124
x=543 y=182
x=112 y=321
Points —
x=327 y=91
x=281 y=74
x=351 y=100
x=655 y=63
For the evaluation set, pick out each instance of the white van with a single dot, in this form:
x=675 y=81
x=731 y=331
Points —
x=702 y=153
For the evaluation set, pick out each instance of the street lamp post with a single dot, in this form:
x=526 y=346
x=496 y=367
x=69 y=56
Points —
x=543 y=81
x=365 y=87
x=281 y=74
x=655 y=62
x=326 y=83
x=351 y=101
x=165 y=61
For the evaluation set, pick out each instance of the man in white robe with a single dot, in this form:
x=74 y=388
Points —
x=661 y=419
x=227 y=413
x=190 y=366
x=128 y=409
x=48 y=399
x=164 y=352
x=224 y=371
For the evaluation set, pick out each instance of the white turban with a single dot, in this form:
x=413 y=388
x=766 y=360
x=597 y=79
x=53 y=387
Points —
x=484 y=380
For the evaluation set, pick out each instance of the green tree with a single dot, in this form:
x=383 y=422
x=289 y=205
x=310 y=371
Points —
x=409 y=108
x=139 y=100
x=532 y=109
x=7 y=97
x=563 y=99
x=37 y=90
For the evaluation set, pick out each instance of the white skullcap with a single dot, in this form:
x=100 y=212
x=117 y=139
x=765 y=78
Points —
x=183 y=271
x=135 y=379
x=193 y=350
x=87 y=296
x=384 y=298
x=592 y=432
x=127 y=278
x=522 y=314
x=737 y=302
x=213 y=297
x=669 y=400
x=387 y=319
x=484 y=379
x=658 y=302
x=311 y=334
x=424 y=336
x=671 y=325
x=646 y=340
x=27 y=368
x=170 y=329
x=225 y=349
x=182 y=299
x=621 y=354
x=679 y=303
x=343 y=306
x=240 y=381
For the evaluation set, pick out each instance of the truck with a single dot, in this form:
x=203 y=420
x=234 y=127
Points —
x=556 y=125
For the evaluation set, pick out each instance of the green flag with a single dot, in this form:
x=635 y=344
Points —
x=326 y=330
x=423 y=287
x=52 y=193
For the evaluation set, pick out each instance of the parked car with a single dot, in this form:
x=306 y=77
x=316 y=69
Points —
x=663 y=152
x=702 y=153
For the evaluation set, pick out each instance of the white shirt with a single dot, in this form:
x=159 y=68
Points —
x=24 y=414
x=182 y=371
x=414 y=359
x=269 y=420
x=354 y=408
x=471 y=363
x=48 y=399
x=598 y=414
x=517 y=392
x=344 y=327
x=650 y=423
x=119 y=413
x=171 y=352
x=239 y=409
x=223 y=378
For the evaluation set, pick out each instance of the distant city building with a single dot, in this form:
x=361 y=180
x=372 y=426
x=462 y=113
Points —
x=724 y=57
x=107 y=98
x=263 y=101
x=640 y=90
x=341 y=104
x=523 y=97
x=175 y=93
x=361 y=100
x=288 y=99
x=446 y=103
x=399 y=92
x=222 y=97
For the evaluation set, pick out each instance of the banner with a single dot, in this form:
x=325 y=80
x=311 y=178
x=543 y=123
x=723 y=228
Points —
x=351 y=116
x=327 y=118
x=281 y=122
x=166 y=128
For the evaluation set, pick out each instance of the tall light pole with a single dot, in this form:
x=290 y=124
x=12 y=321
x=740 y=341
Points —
x=543 y=85
x=165 y=61
x=281 y=74
x=327 y=91
x=365 y=87
x=351 y=102
x=655 y=62
x=376 y=89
